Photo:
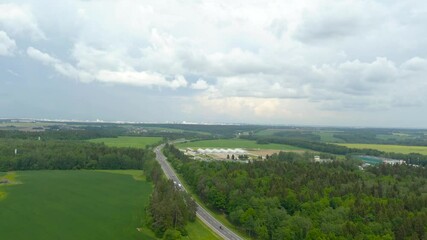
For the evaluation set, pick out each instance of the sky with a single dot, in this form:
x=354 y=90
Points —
x=317 y=62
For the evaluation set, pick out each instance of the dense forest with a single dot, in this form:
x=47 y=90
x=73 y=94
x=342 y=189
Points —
x=64 y=134
x=169 y=209
x=63 y=154
x=288 y=197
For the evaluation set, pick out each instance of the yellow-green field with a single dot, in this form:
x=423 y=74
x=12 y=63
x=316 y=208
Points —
x=135 y=142
x=10 y=177
x=388 y=148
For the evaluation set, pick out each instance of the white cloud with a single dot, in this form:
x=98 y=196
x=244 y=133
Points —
x=7 y=45
x=200 y=85
x=144 y=79
x=19 y=20
x=128 y=77
x=61 y=67
x=41 y=56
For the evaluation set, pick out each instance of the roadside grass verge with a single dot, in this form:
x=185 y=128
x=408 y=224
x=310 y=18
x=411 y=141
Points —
x=197 y=230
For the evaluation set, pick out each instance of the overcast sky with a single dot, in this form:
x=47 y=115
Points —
x=317 y=62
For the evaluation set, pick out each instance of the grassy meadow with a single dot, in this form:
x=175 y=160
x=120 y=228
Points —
x=328 y=137
x=235 y=143
x=74 y=205
x=98 y=204
x=135 y=142
x=389 y=148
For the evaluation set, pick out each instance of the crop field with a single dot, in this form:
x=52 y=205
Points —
x=135 y=142
x=74 y=205
x=268 y=132
x=235 y=143
x=389 y=148
x=174 y=130
x=395 y=136
x=328 y=137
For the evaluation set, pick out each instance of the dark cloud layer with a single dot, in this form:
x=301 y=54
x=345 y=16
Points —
x=243 y=61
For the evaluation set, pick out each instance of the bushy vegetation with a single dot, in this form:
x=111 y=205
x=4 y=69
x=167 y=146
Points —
x=288 y=197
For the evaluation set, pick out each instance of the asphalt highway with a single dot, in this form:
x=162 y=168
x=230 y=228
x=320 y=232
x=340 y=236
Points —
x=204 y=215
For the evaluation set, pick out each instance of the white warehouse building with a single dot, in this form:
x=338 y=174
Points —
x=221 y=150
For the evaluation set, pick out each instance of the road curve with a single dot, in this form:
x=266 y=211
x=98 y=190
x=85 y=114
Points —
x=204 y=215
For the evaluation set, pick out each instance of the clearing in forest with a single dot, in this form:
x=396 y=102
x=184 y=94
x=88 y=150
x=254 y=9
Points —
x=135 y=142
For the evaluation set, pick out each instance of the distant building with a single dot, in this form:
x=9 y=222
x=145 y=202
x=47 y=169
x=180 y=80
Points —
x=320 y=160
x=393 y=161
x=364 y=165
x=221 y=150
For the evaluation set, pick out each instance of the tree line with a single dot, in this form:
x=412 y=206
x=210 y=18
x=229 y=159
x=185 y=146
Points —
x=289 y=197
x=22 y=154
x=169 y=208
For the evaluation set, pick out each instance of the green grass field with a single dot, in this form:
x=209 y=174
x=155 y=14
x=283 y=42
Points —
x=268 y=132
x=100 y=204
x=328 y=137
x=135 y=142
x=73 y=205
x=235 y=143
x=389 y=148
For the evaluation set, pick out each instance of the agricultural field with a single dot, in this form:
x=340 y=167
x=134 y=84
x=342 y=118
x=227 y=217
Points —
x=74 y=205
x=174 y=130
x=135 y=142
x=25 y=126
x=389 y=148
x=235 y=143
x=268 y=132
x=327 y=136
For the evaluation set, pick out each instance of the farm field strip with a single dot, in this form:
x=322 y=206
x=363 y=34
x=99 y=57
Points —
x=136 y=142
x=388 y=148
x=235 y=143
